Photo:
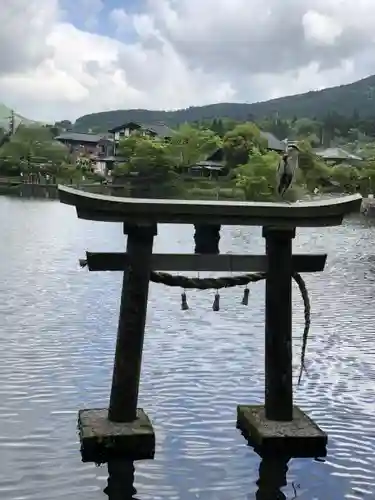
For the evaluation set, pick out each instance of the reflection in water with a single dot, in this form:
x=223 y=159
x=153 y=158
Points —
x=120 y=484
x=272 y=477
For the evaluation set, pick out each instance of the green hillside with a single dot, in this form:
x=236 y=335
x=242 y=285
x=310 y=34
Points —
x=5 y=113
x=357 y=98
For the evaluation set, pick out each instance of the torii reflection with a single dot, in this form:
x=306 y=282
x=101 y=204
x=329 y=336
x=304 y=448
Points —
x=120 y=483
x=272 y=477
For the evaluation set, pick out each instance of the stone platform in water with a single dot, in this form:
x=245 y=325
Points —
x=103 y=440
x=299 y=438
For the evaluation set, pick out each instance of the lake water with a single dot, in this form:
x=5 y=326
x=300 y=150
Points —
x=57 y=336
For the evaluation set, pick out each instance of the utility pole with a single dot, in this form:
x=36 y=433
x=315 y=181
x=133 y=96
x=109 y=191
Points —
x=7 y=135
x=12 y=123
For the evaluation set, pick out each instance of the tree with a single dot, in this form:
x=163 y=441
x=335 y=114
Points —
x=217 y=127
x=347 y=177
x=127 y=146
x=151 y=158
x=353 y=134
x=149 y=167
x=35 y=133
x=257 y=177
x=279 y=128
x=313 y=172
x=30 y=147
x=367 y=151
x=240 y=142
x=305 y=127
x=366 y=178
x=314 y=140
x=190 y=144
x=64 y=125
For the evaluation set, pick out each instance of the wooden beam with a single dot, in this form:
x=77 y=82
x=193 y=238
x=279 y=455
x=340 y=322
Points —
x=224 y=220
x=315 y=213
x=107 y=261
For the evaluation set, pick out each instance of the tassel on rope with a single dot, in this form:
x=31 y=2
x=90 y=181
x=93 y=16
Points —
x=186 y=282
x=184 y=304
x=245 y=298
x=216 y=304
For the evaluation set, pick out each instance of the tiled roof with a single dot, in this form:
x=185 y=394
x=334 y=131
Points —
x=217 y=155
x=209 y=164
x=158 y=128
x=111 y=158
x=78 y=137
x=273 y=142
x=337 y=154
x=122 y=127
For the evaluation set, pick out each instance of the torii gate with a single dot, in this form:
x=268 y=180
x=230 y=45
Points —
x=123 y=431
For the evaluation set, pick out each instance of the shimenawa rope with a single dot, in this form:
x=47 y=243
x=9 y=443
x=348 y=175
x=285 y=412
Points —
x=186 y=282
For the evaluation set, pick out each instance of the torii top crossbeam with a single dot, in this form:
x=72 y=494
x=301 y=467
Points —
x=96 y=207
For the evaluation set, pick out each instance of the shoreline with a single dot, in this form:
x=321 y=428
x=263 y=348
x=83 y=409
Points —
x=47 y=191
x=50 y=191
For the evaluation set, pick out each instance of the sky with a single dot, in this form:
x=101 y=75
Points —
x=60 y=59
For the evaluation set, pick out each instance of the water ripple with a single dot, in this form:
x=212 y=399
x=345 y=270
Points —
x=57 y=342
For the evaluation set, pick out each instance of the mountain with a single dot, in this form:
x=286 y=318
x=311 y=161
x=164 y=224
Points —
x=356 y=98
x=5 y=114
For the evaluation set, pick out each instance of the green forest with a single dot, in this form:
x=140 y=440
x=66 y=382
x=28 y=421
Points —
x=349 y=101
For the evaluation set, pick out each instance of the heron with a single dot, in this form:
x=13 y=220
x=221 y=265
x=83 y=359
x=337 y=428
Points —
x=286 y=169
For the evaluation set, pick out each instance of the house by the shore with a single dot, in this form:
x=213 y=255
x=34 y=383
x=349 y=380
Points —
x=157 y=129
x=214 y=164
x=337 y=156
x=96 y=148
x=87 y=143
x=101 y=148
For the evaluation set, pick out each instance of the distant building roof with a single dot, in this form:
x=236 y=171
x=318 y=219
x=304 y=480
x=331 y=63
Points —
x=110 y=158
x=209 y=165
x=217 y=156
x=337 y=154
x=273 y=142
x=78 y=137
x=123 y=126
x=158 y=128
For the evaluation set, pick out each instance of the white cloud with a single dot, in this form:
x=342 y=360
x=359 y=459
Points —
x=178 y=53
x=321 y=29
